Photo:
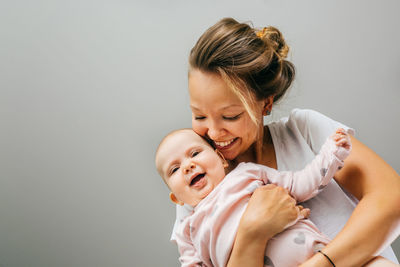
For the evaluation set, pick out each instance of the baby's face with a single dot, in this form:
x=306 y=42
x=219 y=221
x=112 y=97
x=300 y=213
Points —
x=190 y=167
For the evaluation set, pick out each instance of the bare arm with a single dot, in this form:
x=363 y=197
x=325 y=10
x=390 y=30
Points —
x=375 y=218
x=269 y=211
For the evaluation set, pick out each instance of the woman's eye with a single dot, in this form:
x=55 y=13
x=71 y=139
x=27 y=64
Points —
x=232 y=118
x=199 y=118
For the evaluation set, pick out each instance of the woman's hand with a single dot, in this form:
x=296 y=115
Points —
x=270 y=210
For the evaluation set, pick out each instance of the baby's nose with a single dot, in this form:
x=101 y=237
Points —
x=190 y=167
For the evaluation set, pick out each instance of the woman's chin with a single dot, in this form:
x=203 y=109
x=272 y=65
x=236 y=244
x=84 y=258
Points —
x=231 y=151
x=230 y=155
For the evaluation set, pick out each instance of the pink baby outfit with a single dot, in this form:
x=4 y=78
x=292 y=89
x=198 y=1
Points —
x=205 y=238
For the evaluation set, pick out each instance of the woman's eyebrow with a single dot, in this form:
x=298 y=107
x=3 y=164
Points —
x=232 y=106
x=193 y=107
x=223 y=108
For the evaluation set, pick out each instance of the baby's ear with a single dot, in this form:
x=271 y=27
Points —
x=175 y=199
x=224 y=162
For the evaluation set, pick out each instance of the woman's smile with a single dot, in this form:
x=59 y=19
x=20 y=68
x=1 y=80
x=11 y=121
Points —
x=222 y=144
x=225 y=146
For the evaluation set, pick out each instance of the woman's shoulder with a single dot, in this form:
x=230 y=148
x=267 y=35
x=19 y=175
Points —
x=298 y=119
x=305 y=120
x=306 y=116
x=305 y=124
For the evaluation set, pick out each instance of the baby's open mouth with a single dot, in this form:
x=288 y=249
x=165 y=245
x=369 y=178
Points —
x=197 y=178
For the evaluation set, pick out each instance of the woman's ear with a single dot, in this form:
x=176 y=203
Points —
x=268 y=105
x=175 y=199
x=224 y=162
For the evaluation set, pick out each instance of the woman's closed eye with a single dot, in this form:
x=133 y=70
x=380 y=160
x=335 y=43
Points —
x=199 y=118
x=232 y=118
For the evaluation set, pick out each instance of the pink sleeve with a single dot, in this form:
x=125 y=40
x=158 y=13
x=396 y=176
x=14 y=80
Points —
x=188 y=254
x=306 y=183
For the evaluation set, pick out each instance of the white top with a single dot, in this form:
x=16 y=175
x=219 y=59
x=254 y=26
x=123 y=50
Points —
x=297 y=139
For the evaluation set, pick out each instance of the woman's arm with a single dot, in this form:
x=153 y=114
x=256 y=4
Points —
x=269 y=211
x=376 y=219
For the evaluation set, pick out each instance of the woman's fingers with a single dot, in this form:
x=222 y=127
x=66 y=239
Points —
x=303 y=212
x=270 y=210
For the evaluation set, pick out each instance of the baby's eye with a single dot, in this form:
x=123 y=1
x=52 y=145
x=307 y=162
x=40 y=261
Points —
x=195 y=153
x=174 y=169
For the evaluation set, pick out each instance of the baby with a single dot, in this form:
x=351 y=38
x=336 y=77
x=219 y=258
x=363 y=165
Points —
x=195 y=174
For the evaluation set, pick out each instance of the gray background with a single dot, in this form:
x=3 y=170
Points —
x=88 y=88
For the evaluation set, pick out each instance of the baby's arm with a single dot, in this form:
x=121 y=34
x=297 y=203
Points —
x=306 y=183
x=188 y=254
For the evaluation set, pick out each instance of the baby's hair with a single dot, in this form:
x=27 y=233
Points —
x=252 y=62
x=175 y=132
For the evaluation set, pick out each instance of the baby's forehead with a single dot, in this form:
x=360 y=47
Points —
x=185 y=133
x=182 y=138
x=177 y=141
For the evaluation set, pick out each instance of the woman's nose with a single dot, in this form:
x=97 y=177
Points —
x=215 y=132
x=189 y=167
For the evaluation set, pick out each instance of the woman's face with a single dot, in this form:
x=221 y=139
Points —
x=218 y=114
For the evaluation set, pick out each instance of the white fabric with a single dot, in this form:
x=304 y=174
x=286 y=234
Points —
x=297 y=139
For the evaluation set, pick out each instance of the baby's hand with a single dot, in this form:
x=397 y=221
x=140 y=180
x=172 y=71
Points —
x=343 y=143
x=342 y=139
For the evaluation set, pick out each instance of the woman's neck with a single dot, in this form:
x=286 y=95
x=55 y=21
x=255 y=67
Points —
x=267 y=156
x=262 y=151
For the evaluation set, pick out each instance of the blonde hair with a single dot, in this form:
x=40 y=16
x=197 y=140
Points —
x=252 y=62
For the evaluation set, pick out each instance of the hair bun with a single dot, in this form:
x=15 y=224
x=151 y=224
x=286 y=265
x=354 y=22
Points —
x=274 y=38
x=250 y=60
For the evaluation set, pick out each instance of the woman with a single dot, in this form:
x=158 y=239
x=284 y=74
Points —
x=236 y=75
